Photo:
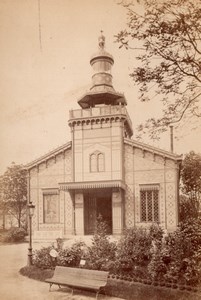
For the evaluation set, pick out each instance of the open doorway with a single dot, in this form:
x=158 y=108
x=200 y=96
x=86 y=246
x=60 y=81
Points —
x=98 y=202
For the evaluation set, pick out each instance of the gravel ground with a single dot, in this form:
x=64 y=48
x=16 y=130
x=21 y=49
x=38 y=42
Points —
x=17 y=287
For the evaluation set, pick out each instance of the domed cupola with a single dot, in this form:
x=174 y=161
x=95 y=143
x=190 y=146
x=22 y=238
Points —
x=102 y=91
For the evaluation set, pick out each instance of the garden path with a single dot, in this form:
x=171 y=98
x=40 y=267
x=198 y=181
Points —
x=14 y=286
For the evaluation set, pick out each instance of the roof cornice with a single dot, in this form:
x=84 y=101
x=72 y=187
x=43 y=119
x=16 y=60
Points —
x=152 y=149
x=47 y=156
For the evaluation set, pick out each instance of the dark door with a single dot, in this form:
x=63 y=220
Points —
x=104 y=208
x=89 y=214
x=95 y=204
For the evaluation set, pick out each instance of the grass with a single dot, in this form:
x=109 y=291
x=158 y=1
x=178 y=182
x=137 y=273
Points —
x=124 y=289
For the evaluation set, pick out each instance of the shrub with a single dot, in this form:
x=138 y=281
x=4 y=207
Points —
x=42 y=258
x=14 y=234
x=178 y=259
x=71 y=256
x=101 y=254
x=133 y=249
x=184 y=247
x=156 y=233
x=159 y=257
x=157 y=267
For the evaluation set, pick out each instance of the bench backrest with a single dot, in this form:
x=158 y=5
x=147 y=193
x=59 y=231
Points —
x=66 y=272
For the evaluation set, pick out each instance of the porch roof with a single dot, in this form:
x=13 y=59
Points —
x=92 y=185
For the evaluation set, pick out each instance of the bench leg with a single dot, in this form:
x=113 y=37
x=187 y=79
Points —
x=72 y=292
x=97 y=294
x=50 y=286
x=103 y=290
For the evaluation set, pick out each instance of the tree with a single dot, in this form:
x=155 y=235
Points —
x=184 y=248
x=13 y=186
x=188 y=208
x=169 y=37
x=3 y=207
x=101 y=253
x=191 y=180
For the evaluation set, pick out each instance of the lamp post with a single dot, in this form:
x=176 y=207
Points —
x=31 y=208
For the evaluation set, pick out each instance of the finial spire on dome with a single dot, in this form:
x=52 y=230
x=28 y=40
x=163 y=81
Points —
x=101 y=41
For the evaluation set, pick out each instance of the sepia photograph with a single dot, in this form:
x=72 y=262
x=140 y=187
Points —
x=100 y=168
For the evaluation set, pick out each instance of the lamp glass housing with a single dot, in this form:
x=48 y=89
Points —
x=31 y=208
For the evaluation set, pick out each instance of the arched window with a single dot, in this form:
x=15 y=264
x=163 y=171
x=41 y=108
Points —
x=101 y=163
x=93 y=163
x=97 y=162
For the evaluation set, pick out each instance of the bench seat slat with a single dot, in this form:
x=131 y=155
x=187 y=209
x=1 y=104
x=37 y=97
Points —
x=76 y=280
x=81 y=272
x=79 y=276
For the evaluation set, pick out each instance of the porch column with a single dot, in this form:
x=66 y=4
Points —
x=117 y=211
x=79 y=214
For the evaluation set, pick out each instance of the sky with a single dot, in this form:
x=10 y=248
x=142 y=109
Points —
x=46 y=46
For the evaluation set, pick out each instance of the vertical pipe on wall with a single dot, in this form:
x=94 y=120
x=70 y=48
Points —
x=134 y=198
x=165 y=195
x=171 y=139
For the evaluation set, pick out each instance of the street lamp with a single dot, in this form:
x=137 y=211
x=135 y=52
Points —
x=31 y=208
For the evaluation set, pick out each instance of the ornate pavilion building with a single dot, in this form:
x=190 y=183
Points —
x=102 y=170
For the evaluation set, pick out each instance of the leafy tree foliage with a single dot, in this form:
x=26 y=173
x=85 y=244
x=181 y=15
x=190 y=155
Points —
x=134 y=248
x=191 y=179
x=14 y=192
x=3 y=206
x=185 y=249
x=177 y=258
x=167 y=38
x=101 y=253
x=191 y=174
x=188 y=208
x=14 y=234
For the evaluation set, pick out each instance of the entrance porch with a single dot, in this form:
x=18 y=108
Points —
x=92 y=199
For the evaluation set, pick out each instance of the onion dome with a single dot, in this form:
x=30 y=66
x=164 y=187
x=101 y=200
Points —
x=102 y=91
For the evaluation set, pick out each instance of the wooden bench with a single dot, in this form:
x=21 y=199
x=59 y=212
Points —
x=79 y=278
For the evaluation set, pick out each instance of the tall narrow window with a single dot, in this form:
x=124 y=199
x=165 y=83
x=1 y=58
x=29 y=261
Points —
x=93 y=163
x=149 y=202
x=101 y=162
x=97 y=162
x=51 y=208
